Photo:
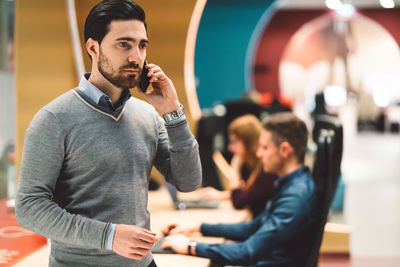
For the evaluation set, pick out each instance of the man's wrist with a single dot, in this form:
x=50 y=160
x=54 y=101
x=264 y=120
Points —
x=163 y=109
x=197 y=228
x=192 y=248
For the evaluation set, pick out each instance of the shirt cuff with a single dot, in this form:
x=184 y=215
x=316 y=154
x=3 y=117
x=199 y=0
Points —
x=206 y=229
x=110 y=236
x=202 y=250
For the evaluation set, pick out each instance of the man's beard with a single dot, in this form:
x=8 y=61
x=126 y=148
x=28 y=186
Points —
x=116 y=77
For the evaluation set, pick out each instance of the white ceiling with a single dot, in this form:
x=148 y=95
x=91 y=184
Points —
x=320 y=4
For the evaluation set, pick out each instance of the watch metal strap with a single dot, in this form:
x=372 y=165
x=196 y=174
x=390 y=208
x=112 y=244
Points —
x=174 y=114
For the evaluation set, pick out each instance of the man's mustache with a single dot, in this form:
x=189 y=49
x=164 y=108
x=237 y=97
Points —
x=132 y=66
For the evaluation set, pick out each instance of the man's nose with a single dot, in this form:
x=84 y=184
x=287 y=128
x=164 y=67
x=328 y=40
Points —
x=135 y=56
x=134 y=59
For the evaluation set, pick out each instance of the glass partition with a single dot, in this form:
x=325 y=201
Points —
x=7 y=100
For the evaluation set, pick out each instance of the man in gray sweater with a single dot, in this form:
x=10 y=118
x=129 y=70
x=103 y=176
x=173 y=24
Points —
x=88 y=154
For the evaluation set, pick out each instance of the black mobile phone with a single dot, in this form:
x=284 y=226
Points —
x=144 y=81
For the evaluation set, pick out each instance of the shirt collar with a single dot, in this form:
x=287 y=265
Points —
x=278 y=183
x=95 y=94
x=89 y=89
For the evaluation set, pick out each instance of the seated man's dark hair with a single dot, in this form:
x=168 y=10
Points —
x=285 y=126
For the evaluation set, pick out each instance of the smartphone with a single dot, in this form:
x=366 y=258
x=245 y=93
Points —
x=144 y=81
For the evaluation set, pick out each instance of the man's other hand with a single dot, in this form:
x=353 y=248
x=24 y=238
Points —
x=133 y=242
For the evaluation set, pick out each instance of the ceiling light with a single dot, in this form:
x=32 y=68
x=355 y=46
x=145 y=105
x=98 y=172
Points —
x=387 y=3
x=335 y=95
x=333 y=4
x=346 y=10
x=381 y=98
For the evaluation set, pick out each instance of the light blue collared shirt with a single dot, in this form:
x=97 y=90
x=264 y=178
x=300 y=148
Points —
x=89 y=89
x=98 y=96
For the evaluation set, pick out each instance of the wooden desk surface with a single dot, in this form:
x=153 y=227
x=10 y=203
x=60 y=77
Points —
x=161 y=212
x=161 y=209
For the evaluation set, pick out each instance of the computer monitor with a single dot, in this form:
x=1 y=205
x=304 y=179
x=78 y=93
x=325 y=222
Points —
x=190 y=204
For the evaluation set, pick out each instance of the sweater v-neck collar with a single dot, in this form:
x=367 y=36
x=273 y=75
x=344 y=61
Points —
x=115 y=115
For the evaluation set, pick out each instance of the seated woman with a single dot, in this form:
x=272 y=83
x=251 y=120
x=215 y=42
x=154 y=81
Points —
x=250 y=186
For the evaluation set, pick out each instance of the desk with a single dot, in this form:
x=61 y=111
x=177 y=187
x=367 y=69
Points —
x=161 y=211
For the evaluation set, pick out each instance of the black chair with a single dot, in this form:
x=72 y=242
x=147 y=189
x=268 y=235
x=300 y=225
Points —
x=210 y=125
x=328 y=135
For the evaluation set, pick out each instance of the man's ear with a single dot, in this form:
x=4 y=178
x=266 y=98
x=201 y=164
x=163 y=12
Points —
x=92 y=47
x=285 y=149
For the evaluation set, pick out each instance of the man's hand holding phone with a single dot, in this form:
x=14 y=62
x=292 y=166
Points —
x=162 y=95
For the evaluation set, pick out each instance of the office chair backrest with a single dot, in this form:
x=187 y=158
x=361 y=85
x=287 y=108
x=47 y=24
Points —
x=237 y=108
x=326 y=125
x=209 y=126
x=328 y=135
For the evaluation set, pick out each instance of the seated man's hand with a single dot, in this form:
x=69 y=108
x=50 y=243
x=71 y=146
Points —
x=133 y=242
x=181 y=227
x=178 y=243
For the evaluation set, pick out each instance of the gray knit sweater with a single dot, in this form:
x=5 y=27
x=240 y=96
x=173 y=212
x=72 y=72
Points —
x=83 y=168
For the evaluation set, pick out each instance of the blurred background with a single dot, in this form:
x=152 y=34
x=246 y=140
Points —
x=231 y=57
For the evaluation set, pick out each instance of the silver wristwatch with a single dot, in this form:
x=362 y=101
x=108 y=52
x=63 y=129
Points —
x=191 y=244
x=174 y=114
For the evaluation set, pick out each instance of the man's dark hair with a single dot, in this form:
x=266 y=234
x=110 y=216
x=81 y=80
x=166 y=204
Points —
x=97 y=23
x=285 y=126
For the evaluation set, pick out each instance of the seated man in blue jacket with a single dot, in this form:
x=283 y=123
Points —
x=282 y=234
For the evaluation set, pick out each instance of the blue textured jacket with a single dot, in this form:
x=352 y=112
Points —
x=280 y=236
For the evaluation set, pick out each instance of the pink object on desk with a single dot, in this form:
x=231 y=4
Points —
x=16 y=242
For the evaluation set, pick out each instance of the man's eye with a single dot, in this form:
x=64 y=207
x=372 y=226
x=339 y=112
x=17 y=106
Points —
x=123 y=45
x=144 y=45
